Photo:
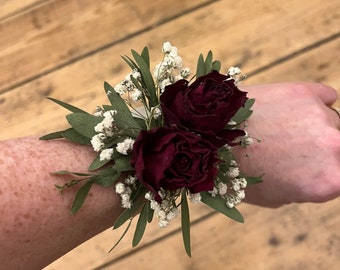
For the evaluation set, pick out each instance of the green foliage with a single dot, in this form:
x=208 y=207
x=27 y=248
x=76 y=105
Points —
x=219 y=204
x=131 y=212
x=243 y=113
x=52 y=136
x=97 y=164
x=185 y=222
x=67 y=106
x=141 y=225
x=83 y=123
x=122 y=236
x=147 y=79
x=251 y=180
x=74 y=136
x=123 y=119
x=207 y=65
x=128 y=123
x=81 y=196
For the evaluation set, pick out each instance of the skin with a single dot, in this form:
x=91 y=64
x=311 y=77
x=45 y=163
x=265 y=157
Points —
x=300 y=148
x=299 y=154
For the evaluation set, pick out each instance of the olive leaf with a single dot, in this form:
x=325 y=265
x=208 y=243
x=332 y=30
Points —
x=123 y=119
x=218 y=203
x=81 y=196
x=74 y=136
x=185 y=222
x=244 y=112
x=207 y=65
x=149 y=84
x=122 y=236
x=106 y=178
x=141 y=225
x=67 y=106
x=97 y=163
x=130 y=212
x=52 y=136
x=84 y=123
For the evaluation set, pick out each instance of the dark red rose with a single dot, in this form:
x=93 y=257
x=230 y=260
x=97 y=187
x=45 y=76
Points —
x=205 y=106
x=171 y=159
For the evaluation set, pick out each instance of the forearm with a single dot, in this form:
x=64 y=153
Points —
x=36 y=224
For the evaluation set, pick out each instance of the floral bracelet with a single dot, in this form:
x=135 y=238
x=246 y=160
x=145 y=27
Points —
x=164 y=139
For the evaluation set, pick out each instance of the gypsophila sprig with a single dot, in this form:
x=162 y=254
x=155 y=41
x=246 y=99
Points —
x=164 y=141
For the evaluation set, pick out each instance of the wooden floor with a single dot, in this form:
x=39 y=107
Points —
x=67 y=48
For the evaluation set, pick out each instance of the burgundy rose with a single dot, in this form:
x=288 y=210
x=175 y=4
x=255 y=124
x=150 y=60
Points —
x=205 y=106
x=171 y=159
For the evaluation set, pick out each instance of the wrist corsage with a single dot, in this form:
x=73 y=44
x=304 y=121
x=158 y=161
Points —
x=165 y=139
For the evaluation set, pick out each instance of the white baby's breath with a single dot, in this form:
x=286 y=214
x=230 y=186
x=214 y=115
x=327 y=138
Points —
x=106 y=154
x=125 y=146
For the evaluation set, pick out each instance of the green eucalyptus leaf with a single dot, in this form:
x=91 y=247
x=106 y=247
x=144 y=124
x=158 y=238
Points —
x=126 y=215
x=185 y=222
x=68 y=184
x=130 y=62
x=251 y=180
x=216 y=65
x=67 y=106
x=146 y=77
x=131 y=212
x=81 y=196
x=123 y=118
x=208 y=63
x=141 y=225
x=122 y=164
x=84 y=123
x=106 y=178
x=243 y=113
x=74 y=136
x=71 y=173
x=145 y=55
x=97 y=163
x=150 y=214
x=219 y=204
x=141 y=122
x=200 y=69
x=122 y=236
x=53 y=135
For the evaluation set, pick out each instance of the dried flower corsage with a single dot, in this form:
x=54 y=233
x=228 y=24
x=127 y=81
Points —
x=165 y=139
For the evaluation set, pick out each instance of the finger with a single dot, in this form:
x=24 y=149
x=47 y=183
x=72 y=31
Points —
x=336 y=112
x=327 y=94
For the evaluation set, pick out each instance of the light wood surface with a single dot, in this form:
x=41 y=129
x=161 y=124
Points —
x=67 y=49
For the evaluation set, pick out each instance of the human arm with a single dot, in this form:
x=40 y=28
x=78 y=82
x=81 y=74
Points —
x=299 y=152
x=36 y=225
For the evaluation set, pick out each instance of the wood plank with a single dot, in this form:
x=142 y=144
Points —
x=56 y=32
x=85 y=77
x=291 y=237
x=303 y=236
x=11 y=8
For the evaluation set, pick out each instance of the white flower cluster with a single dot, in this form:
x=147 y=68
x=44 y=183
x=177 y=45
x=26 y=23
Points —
x=170 y=69
x=104 y=129
x=167 y=209
x=125 y=146
x=125 y=189
x=127 y=86
x=233 y=189
x=235 y=74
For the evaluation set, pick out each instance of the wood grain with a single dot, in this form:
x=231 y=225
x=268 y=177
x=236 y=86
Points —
x=66 y=49
x=81 y=82
x=57 y=32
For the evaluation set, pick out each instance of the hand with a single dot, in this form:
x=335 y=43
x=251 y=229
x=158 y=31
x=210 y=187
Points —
x=300 y=149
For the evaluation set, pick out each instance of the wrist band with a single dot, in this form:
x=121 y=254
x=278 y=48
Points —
x=163 y=139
